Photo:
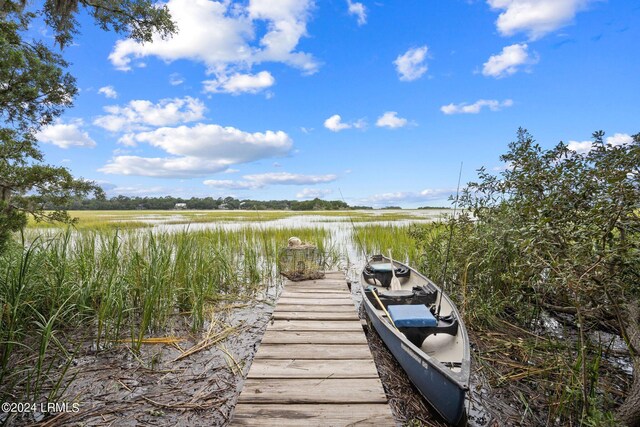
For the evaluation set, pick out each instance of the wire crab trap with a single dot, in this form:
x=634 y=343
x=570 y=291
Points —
x=301 y=261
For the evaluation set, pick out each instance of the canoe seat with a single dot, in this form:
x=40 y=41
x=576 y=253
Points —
x=417 y=322
x=421 y=295
x=411 y=316
x=380 y=273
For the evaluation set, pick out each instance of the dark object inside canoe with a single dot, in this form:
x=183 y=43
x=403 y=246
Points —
x=381 y=275
x=417 y=334
x=418 y=295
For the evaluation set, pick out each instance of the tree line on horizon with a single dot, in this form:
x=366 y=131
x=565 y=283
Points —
x=169 y=202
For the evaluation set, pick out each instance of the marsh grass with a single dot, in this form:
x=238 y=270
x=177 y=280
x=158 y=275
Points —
x=122 y=284
x=380 y=239
x=127 y=220
x=94 y=220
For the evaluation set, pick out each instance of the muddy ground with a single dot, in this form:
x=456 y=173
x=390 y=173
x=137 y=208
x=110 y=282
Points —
x=116 y=387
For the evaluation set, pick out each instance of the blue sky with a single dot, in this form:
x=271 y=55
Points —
x=378 y=100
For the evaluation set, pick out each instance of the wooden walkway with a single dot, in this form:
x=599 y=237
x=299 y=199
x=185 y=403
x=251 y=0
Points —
x=313 y=367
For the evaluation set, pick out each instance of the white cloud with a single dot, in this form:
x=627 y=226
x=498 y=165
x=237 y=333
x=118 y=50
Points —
x=311 y=193
x=66 y=135
x=217 y=142
x=141 y=114
x=240 y=83
x=198 y=150
x=335 y=124
x=476 y=107
x=274 y=178
x=175 y=79
x=503 y=167
x=229 y=184
x=580 y=146
x=411 y=64
x=358 y=9
x=619 y=139
x=391 y=120
x=429 y=194
x=223 y=36
x=359 y=124
x=164 y=167
x=286 y=178
x=108 y=91
x=535 y=18
x=583 y=147
x=140 y=191
x=508 y=61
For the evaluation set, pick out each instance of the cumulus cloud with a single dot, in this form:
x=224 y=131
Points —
x=217 y=142
x=163 y=167
x=311 y=193
x=251 y=182
x=429 y=194
x=580 y=146
x=66 y=135
x=583 y=147
x=142 y=190
x=508 y=61
x=619 y=139
x=476 y=107
x=535 y=18
x=358 y=9
x=411 y=64
x=335 y=124
x=141 y=114
x=222 y=35
x=391 y=120
x=240 y=83
x=198 y=150
x=108 y=91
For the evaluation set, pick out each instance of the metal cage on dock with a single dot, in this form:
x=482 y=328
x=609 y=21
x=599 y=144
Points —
x=301 y=262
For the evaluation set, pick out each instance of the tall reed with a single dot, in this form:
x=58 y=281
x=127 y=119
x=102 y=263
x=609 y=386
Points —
x=59 y=290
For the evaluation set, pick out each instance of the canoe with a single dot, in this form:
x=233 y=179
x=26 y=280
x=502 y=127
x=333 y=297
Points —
x=431 y=346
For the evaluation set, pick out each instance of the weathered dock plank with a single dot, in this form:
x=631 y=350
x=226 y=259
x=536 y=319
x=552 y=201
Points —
x=313 y=296
x=314 y=390
x=314 y=351
x=311 y=307
x=318 y=337
x=296 y=415
x=311 y=288
x=316 y=301
x=313 y=366
x=323 y=283
x=315 y=325
x=330 y=368
x=319 y=294
x=323 y=315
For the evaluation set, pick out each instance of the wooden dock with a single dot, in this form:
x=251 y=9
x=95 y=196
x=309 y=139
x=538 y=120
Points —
x=313 y=366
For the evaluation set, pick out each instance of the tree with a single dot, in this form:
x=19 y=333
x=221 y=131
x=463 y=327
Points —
x=566 y=229
x=35 y=89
